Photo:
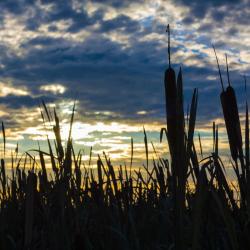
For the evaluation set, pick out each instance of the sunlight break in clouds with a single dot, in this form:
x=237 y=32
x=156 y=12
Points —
x=53 y=88
x=8 y=89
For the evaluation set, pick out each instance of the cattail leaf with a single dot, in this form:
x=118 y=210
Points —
x=200 y=145
x=46 y=110
x=4 y=139
x=161 y=133
x=56 y=129
x=146 y=144
x=132 y=152
x=247 y=143
x=192 y=121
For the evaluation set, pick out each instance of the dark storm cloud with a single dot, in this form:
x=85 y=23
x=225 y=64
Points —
x=96 y=70
x=16 y=7
x=217 y=12
x=200 y=8
x=63 y=10
x=119 y=4
x=16 y=102
x=120 y=21
x=101 y=74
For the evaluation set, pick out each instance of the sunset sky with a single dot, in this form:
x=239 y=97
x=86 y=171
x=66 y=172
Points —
x=110 y=56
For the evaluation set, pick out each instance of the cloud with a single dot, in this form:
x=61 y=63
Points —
x=122 y=22
x=8 y=89
x=111 y=56
x=53 y=88
x=199 y=9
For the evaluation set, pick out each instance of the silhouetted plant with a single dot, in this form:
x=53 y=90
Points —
x=180 y=203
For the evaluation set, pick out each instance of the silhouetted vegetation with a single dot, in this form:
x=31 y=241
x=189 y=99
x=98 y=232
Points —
x=180 y=203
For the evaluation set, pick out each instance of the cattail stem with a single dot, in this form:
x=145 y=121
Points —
x=228 y=79
x=245 y=81
x=168 y=31
x=222 y=86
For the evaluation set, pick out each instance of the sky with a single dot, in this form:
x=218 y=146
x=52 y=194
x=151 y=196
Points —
x=110 y=56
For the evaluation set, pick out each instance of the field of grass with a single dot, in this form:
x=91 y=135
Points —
x=177 y=203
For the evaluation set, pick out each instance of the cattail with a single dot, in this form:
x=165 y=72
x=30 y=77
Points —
x=171 y=98
x=231 y=115
x=235 y=114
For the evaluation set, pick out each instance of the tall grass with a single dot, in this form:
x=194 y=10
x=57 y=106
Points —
x=177 y=203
